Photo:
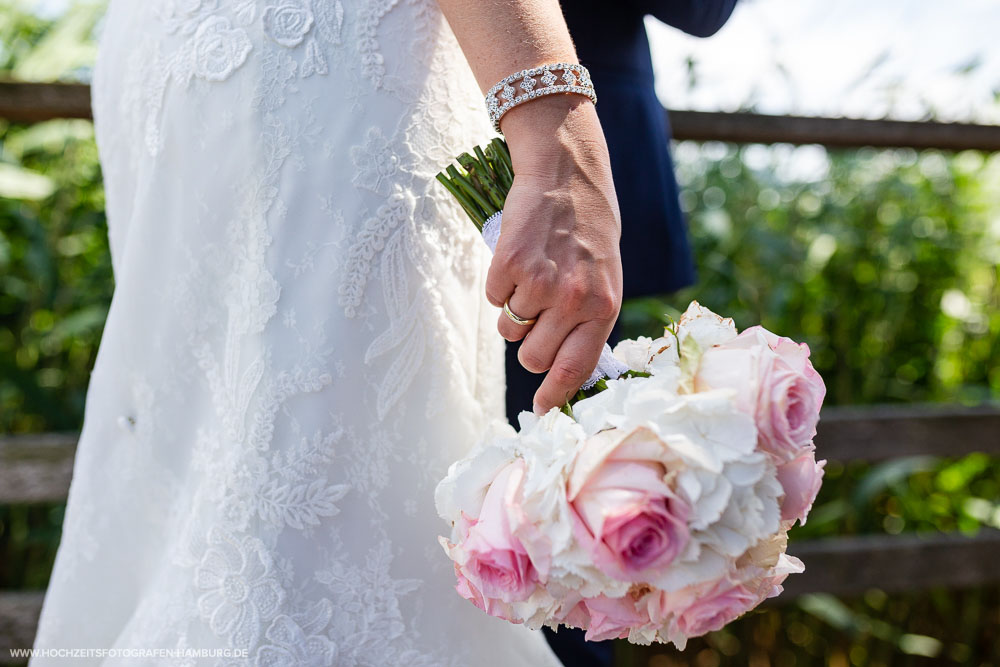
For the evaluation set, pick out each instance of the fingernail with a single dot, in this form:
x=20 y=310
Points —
x=537 y=409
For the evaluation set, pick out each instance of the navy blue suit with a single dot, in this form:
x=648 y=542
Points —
x=611 y=42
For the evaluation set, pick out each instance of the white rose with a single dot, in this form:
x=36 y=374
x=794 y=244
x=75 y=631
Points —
x=287 y=24
x=705 y=327
x=218 y=49
x=648 y=355
x=664 y=357
x=634 y=353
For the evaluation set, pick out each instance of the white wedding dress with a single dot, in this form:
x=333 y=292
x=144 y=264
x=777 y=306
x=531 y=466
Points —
x=297 y=347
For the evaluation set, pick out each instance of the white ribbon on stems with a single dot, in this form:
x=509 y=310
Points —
x=608 y=366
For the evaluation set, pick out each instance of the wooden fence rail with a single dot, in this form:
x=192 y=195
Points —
x=752 y=128
x=31 y=102
x=37 y=467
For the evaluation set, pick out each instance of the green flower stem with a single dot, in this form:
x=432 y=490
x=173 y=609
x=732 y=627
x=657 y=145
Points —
x=500 y=147
x=487 y=174
x=489 y=180
x=463 y=182
x=602 y=384
x=465 y=202
x=482 y=180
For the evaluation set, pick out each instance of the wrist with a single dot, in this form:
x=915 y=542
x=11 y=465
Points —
x=543 y=131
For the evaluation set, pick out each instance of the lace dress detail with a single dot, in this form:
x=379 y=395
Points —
x=297 y=347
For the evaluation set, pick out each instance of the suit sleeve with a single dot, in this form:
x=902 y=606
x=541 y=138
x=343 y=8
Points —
x=700 y=18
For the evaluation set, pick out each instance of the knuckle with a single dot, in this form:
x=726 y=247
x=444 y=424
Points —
x=515 y=262
x=491 y=296
x=569 y=372
x=509 y=333
x=574 y=293
x=531 y=360
x=543 y=281
x=492 y=288
x=604 y=305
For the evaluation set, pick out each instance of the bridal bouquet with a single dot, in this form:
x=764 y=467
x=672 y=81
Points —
x=655 y=505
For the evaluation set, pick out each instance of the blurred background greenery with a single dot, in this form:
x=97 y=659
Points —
x=885 y=262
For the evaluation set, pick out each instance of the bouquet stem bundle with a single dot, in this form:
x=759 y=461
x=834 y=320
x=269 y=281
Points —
x=481 y=182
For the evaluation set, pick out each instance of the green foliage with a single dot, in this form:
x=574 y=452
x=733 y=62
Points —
x=55 y=273
x=874 y=630
x=885 y=262
x=29 y=535
x=36 y=48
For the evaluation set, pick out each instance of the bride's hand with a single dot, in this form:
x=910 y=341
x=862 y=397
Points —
x=558 y=257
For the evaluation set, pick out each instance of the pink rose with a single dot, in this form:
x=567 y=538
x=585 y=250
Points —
x=611 y=618
x=800 y=478
x=572 y=612
x=694 y=610
x=713 y=608
x=624 y=513
x=768 y=584
x=492 y=607
x=491 y=559
x=774 y=382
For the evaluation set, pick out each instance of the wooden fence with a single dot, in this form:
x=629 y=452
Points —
x=38 y=468
x=31 y=102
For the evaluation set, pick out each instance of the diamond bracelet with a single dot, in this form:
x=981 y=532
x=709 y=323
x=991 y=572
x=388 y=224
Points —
x=503 y=97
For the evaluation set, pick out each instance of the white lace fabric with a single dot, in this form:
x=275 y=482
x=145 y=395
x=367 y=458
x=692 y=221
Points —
x=297 y=347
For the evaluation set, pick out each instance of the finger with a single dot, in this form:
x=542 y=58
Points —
x=499 y=283
x=575 y=361
x=519 y=304
x=541 y=344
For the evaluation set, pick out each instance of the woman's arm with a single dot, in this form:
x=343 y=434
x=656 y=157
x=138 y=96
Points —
x=557 y=258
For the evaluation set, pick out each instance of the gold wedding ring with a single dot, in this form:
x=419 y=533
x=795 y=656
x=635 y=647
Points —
x=514 y=318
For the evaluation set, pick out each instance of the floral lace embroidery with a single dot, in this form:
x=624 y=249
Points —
x=376 y=162
x=298 y=643
x=369 y=242
x=285 y=446
x=214 y=52
x=287 y=23
x=239 y=589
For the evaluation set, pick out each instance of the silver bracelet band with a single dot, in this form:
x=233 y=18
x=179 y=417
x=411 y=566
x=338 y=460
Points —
x=535 y=82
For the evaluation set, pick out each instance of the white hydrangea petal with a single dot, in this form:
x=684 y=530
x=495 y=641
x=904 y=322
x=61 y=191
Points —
x=465 y=485
x=709 y=565
x=709 y=420
x=713 y=494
